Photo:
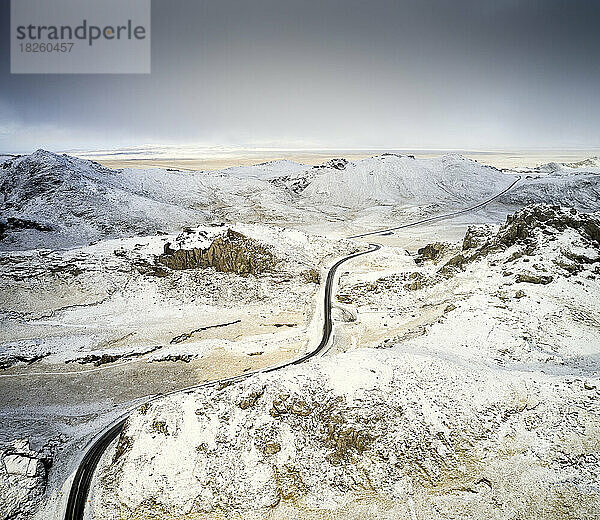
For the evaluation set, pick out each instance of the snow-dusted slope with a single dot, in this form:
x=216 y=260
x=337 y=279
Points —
x=589 y=165
x=393 y=179
x=52 y=200
x=489 y=411
x=78 y=201
x=119 y=285
x=580 y=190
x=567 y=184
x=49 y=200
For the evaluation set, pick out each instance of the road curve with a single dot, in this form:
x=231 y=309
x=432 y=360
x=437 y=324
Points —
x=80 y=487
x=82 y=480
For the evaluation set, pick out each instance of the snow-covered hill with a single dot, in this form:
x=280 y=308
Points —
x=575 y=184
x=393 y=180
x=75 y=201
x=49 y=200
x=589 y=165
x=580 y=190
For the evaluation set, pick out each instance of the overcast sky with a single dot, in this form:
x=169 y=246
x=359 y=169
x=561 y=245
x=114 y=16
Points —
x=452 y=74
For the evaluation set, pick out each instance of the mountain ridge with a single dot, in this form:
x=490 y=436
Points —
x=81 y=201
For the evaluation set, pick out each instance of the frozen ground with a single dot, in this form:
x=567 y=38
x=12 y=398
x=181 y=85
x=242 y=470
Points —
x=88 y=332
x=468 y=390
x=436 y=373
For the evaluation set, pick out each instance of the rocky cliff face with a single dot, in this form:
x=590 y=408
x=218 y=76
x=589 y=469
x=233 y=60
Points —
x=231 y=253
x=432 y=251
x=533 y=229
x=524 y=225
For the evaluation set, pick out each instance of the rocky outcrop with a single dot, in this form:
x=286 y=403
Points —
x=336 y=164
x=476 y=236
x=389 y=427
x=432 y=251
x=19 y=224
x=522 y=225
x=526 y=231
x=23 y=474
x=533 y=278
x=311 y=276
x=106 y=357
x=231 y=253
x=416 y=282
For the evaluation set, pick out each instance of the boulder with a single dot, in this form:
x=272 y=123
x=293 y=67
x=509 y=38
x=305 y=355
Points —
x=432 y=251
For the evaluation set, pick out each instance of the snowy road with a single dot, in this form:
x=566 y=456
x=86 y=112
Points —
x=441 y=217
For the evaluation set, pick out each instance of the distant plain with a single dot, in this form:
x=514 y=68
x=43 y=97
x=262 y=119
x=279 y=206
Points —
x=197 y=159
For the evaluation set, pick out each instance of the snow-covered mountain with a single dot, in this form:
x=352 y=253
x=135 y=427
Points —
x=590 y=165
x=56 y=200
x=575 y=184
x=395 y=179
x=50 y=200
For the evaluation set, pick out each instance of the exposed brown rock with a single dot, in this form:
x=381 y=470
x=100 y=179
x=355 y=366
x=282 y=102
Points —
x=311 y=276
x=521 y=230
x=250 y=400
x=432 y=251
x=534 y=278
x=282 y=406
x=476 y=236
x=124 y=445
x=231 y=253
x=103 y=359
x=271 y=448
x=416 y=282
x=160 y=427
x=456 y=262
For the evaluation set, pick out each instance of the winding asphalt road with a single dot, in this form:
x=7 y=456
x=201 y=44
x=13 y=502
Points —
x=80 y=487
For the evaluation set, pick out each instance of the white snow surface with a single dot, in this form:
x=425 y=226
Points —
x=495 y=401
x=61 y=306
x=487 y=410
x=394 y=180
x=63 y=201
